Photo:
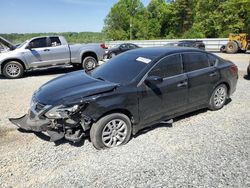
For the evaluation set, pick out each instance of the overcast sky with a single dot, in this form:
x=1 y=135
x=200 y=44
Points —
x=33 y=16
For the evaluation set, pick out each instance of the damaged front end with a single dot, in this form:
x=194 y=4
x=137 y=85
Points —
x=58 y=122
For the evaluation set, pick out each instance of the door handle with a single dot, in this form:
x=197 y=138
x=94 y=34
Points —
x=182 y=84
x=213 y=74
x=46 y=50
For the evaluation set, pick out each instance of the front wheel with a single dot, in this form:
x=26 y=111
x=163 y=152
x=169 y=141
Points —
x=13 y=69
x=111 y=131
x=218 y=97
x=89 y=63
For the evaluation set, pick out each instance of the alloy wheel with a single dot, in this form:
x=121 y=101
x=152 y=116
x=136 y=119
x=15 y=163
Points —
x=220 y=97
x=114 y=133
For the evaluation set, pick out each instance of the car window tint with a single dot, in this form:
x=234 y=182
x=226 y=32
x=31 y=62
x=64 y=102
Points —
x=121 y=69
x=38 y=43
x=55 y=41
x=131 y=46
x=169 y=66
x=194 y=61
x=123 y=46
x=212 y=60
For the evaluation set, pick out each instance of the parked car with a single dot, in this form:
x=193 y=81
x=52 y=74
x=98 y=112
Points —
x=147 y=86
x=120 y=48
x=48 y=51
x=188 y=43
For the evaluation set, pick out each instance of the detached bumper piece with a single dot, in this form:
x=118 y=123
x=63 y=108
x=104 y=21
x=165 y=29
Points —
x=44 y=125
x=28 y=124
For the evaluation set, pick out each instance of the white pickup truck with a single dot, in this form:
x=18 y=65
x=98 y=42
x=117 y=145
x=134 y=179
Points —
x=48 y=51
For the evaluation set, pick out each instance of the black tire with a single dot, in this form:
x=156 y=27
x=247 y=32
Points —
x=248 y=71
x=98 y=132
x=89 y=63
x=223 y=48
x=242 y=51
x=232 y=47
x=216 y=101
x=13 y=70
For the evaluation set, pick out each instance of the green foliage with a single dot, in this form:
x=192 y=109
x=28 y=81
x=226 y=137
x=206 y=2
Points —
x=177 y=19
x=71 y=37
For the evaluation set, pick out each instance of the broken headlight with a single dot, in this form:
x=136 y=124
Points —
x=61 y=112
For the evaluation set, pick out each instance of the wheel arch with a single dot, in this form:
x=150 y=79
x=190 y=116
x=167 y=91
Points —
x=88 y=53
x=119 y=110
x=12 y=59
x=226 y=84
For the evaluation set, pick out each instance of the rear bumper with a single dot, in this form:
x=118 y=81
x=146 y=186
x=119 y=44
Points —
x=36 y=125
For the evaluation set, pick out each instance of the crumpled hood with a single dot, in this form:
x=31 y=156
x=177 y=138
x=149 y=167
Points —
x=75 y=85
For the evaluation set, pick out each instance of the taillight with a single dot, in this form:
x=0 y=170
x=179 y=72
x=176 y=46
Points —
x=234 y=69
x=102 y=45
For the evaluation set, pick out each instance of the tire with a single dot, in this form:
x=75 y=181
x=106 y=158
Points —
x=242 y=51
x=218 y=97
x=232 y=47
x=104 y=134
x=13 y=69
x=223 y=48
x=248 y=71
x=89 y=63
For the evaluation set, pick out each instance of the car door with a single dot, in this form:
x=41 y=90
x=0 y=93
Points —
x=59 y=52
x=166 y=98
x=38 y=53
x=202 y=75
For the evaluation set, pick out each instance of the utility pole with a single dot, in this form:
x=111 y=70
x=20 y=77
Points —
x=131 y=27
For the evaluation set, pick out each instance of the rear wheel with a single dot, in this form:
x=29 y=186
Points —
x=218 y=97
x=111 y=131
x=13 y=69
x=232 y=47
x=89 y=63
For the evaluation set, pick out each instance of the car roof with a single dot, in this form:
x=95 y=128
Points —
x=154 y=52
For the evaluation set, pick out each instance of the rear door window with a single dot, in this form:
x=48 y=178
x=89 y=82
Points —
x=168 y=66
x=194 y=61
x=55 y=41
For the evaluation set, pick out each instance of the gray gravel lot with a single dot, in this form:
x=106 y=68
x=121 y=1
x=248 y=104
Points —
x=202 y=149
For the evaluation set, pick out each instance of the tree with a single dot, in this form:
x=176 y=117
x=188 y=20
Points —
x=118 y=24
x=183 y=10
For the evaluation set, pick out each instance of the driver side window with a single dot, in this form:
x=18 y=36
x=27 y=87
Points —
x=168 y=66
x=39 y=43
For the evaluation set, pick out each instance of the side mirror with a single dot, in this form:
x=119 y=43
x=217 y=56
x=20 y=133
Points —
x=154 y=79
x=29 y=47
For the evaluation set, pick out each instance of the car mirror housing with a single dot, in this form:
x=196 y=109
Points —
x=29 y=47
x=154 y=79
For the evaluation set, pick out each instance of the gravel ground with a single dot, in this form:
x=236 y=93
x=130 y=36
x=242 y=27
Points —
x=202 y=149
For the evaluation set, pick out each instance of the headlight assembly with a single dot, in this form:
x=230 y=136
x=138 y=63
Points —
x=61 y=112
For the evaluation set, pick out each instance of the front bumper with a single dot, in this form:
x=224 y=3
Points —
x=36 y=125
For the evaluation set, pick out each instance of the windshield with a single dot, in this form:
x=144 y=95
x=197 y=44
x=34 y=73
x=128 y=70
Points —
x=22 y=44
x=121 y=69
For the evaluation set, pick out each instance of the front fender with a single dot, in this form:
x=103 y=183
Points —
x=103 y=105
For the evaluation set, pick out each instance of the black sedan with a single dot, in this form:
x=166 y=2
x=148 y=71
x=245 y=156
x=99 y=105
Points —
x=132 y=91
x=120 y=48
x=188 y=43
